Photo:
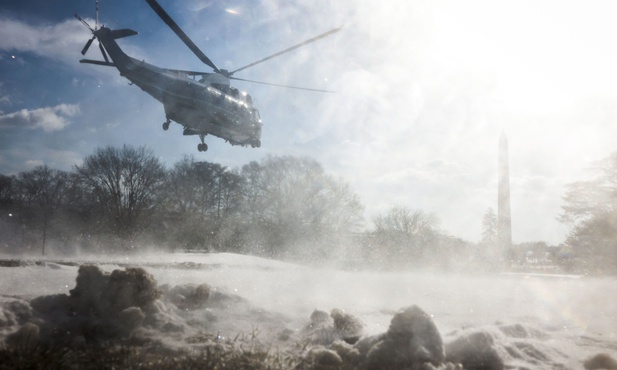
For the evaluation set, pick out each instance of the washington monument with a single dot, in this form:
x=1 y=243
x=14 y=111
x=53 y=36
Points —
x=504 y=221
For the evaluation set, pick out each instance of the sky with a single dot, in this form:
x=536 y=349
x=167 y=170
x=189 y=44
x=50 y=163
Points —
x=423 y=91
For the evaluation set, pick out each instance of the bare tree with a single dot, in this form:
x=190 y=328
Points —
x=123 y=184
x=202 y=187
x=406 y=221
x=404 y=235
x=7 y=189
x=199 y=198
x=41 y=192
x=290 y=200
x=590 y=208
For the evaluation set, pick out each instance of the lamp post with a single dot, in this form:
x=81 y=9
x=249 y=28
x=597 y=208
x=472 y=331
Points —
x=23 y=233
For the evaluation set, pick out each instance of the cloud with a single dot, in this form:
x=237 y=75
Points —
x=60 y=42
x=60 y=159
x=5 y=99
x=28 y=156
x=57 y=41
x=48 y=119
x=64 y=158
x=32 y=163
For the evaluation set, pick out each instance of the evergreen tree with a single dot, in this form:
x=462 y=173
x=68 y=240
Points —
x=489 y=228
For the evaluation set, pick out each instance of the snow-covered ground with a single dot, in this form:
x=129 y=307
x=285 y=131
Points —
x=537 y=322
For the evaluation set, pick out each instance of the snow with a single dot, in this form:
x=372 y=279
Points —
x=527 y=321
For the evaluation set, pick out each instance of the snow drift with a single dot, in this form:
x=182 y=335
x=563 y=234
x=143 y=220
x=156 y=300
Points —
x=110 y=304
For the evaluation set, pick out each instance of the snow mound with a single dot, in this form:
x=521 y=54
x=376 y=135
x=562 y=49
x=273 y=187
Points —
x=601 y=361
x=107 y=295
x=187 y=297
x=411 y=340
x=102 y=306
x=128 y=306
x=338 y=325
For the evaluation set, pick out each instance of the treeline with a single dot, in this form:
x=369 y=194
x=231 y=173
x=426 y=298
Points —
x=124 y=199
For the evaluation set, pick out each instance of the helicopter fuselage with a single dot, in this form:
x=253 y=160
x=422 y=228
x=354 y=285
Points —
x=201 y=106
x=208 y=105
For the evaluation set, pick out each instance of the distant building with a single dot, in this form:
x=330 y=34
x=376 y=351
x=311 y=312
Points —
x=504 y=220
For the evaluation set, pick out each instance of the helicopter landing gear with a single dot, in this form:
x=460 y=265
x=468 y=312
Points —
x=166 y=124
x=202 y=147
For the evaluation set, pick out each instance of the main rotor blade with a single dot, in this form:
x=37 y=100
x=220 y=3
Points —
x=325 y=34
x=285 y=86
x=174 y=27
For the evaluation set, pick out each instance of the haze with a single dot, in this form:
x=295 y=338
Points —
x=423 y=91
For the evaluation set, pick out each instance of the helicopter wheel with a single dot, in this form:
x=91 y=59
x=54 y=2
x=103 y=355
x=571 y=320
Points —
x=166 y=125
x=202 y=147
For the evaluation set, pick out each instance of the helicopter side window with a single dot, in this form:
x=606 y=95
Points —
x=255 y=114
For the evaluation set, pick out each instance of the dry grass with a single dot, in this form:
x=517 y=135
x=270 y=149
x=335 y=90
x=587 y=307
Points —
x=131 y=357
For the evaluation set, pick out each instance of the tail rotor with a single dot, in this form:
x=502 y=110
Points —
x=85 y=49
x=93 y=30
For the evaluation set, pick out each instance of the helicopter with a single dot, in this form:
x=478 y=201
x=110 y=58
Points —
x=204 y=103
